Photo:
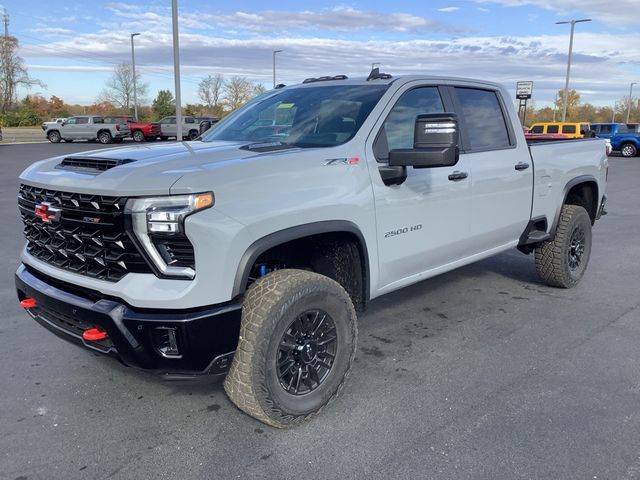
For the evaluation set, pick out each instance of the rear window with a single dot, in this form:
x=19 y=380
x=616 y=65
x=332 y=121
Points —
x=483 y=118
x=552 y=128
x=568 y=129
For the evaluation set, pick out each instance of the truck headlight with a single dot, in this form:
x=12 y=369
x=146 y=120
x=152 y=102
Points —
x=155 y=221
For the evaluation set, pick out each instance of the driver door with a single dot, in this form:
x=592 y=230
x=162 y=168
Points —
x=423 y=223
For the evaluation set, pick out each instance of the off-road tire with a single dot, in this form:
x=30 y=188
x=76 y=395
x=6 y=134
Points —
x=105 y=137
x=270 y=307
x=54 y=136
x=138 y=136
x=556 y=258
x=628 y=150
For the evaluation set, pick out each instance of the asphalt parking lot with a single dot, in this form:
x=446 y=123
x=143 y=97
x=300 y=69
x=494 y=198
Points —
x=482 y=373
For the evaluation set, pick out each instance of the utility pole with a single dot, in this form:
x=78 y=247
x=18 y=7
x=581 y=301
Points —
x=133 y=68
x=630 y=100
x=565 y=99
x=5 y=52
x=176 y=69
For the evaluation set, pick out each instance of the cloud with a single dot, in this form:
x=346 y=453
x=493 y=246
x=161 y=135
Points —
x=53 y=31
x=619 y=13
x=448 y=9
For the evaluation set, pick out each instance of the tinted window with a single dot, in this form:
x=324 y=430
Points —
x=398 y=128
x=98 y=120
x=71 y=121
x=604 y=128
x=553 y=128
x=80 y=120
x=537 y=129
x=568 y=129
x=189 y=120
x=483 y=118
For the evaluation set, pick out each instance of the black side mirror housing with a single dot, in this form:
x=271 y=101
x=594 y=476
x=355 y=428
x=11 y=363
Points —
x=435 y=143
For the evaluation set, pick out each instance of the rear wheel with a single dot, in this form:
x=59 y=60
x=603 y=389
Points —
x=54 y=137
x=561 y=262
x=193 y=134
x=628 y=150
x=138 y=136
x=297 y=344
x=105 y=137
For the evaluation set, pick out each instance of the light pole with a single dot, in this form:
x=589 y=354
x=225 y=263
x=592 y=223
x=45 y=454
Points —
x=176 y=68
x=630 y=97
x=565 y=99
x=274 y=66
x=133 y=68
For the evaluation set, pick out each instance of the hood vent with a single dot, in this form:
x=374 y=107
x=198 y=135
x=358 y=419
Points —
x=91 y=165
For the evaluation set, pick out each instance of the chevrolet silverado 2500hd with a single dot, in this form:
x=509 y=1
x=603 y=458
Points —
x=249 y=252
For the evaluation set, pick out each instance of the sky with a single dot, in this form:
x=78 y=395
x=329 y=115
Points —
x=74 y=47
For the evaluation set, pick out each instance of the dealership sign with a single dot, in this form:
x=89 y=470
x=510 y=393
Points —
x=524 y=90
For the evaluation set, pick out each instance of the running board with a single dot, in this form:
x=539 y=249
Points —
x=537 y=236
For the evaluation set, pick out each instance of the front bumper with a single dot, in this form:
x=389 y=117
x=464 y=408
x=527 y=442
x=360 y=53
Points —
x=206 y=337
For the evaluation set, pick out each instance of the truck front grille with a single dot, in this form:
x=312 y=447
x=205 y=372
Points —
x=87 y=236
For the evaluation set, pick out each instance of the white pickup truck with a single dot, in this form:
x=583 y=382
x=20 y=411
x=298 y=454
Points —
x=85 y=127
x=248 y=253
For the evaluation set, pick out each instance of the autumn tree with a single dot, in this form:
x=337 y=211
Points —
x=237 y=91
x=210 y=91
x=119 y=88
x=572 y=105
x=13 y=73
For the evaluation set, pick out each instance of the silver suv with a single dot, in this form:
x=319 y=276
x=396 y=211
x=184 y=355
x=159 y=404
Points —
x=86 y=127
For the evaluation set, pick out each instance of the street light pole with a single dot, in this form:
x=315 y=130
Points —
x=630 y=97
x=274 y=66
x=176 y=69
x=566 y=82
x=133 y=68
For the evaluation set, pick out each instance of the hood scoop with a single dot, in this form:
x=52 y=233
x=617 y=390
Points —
x=91 y=165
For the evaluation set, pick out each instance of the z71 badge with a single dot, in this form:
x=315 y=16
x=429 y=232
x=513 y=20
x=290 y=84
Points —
x=400 y=231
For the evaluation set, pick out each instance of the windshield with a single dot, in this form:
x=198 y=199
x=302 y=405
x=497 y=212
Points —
x=322 y=116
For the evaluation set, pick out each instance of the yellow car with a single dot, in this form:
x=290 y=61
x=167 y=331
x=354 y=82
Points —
x=570 y=129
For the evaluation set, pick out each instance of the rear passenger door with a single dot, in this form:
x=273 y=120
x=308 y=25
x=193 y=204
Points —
x=501 y=169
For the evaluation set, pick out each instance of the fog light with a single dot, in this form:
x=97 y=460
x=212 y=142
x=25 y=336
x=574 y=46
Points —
x=165 y=340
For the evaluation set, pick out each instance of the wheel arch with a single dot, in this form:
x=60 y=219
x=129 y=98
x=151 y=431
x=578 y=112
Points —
x=582 y=191
x=300 y=232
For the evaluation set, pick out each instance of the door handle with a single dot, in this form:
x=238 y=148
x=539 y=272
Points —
x=521 y=166
x=455 y=176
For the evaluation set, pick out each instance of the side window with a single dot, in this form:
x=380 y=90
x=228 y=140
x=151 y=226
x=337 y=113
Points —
x=82 y=120
x=568 y=129
x=71 y=121
x=483 y=118
x=605 y=129
x=98 y=120
x=189 y=120
x=398 y=128
x=537 y=129
x=552 y=128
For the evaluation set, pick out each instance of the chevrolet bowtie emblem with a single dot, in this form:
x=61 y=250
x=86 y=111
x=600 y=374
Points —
x=48 y=213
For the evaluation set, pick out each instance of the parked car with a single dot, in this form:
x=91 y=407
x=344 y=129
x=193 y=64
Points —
x=570 y=129
x=86 y=127
x=248 y=254
x=53 y=121
x=190 y=128
x=140 y=131
x=624 y=137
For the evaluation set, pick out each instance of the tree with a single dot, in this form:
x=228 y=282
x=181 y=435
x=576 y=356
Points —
x=164 y=104
x=119 y=89
x=237 y=91
x=13 y=73
x=258 y=89
x=572 y=105
x=210 y=91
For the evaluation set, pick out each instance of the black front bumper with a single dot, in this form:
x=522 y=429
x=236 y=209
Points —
x=206 y=337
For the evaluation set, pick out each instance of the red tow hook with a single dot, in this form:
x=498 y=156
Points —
x=28 y=302
x=94 y=335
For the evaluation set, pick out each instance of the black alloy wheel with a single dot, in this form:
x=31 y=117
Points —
x=576 y=247
x=307 y=352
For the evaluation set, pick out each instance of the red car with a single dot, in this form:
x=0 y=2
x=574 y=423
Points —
x=140 y=131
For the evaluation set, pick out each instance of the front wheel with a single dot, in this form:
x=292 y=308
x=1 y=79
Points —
x=138 y=136
x=561 y=262
x=54 y=137
x=105 y=137
x=193 y=134
x=297 y=344
x=628 y=150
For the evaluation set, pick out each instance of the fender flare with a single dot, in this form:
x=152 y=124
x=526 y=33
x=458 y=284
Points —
x=294 y=233
x=565 y=192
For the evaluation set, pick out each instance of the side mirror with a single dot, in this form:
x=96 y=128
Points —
x=435 y=143
x=204 y=126
x=63 y=124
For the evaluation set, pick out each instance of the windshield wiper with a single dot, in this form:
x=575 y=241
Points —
x=267 y=146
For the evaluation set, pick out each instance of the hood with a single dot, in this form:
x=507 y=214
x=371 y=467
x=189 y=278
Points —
x=145 y=169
